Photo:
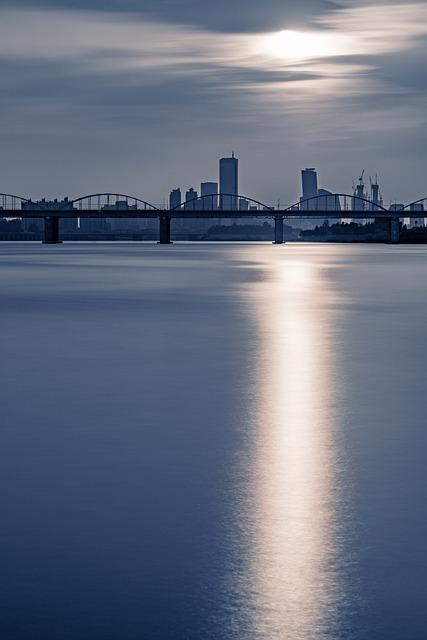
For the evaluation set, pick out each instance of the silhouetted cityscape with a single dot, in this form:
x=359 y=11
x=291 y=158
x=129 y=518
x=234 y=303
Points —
x=222 y=195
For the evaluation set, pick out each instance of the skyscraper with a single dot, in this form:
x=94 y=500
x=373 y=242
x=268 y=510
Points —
x=327 y=201
x=209 y=191
x=229 y=183
x=309 y=188
x=309 y=183
x=190 y=197
x=175 y=199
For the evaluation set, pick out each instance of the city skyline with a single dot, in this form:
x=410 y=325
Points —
x=226 y=182
x=120 y=89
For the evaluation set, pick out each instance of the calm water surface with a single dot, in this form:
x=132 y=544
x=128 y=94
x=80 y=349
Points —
x=213 y=442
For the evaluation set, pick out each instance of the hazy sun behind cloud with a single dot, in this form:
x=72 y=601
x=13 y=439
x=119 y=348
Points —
x=304 y=45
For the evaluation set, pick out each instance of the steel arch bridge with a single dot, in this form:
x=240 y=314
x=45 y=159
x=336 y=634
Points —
x=116 y=202
x=216 y=202
x=104 y=202
x=10 y=202
x=418 y=206
x=215 y=206
x=341 y=203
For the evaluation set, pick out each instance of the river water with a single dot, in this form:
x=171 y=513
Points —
x=206 y=441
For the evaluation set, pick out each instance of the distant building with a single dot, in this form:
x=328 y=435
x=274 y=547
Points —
x=209 y=202
x=359 y=195
x=190 y=196
x=309 y=183
x=328 y=201
x=209 y=193
x=313 y=198
x=376 y=196
x=229 y=183
x=175 y=199
x=175 y=202
x=308 y=200
x=121 y=224
x=67 y=224
x=47 y=205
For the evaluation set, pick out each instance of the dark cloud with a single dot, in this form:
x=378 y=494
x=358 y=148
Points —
x=220 y=15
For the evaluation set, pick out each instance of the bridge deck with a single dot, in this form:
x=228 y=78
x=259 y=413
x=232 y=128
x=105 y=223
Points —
x=216 y=215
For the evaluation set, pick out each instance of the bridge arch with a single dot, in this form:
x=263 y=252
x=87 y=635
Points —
x=103 y=201
x=420 y=203
x=335 y=202
x=205 y=200
x=11 y=202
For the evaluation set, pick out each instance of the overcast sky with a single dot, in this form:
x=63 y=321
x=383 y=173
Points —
x=140 y=96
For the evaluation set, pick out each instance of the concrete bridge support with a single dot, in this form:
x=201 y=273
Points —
x=165 y=230
x=394 y=235
x=51 y=230
x=278 y=230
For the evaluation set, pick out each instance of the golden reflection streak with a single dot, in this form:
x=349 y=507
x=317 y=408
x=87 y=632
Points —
x=292 y=530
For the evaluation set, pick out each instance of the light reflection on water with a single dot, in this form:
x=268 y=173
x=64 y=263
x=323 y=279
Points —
x=294 y=540
x=213 y=442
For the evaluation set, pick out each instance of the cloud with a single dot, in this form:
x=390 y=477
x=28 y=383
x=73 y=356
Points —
x=91 y=98
x=221 y=15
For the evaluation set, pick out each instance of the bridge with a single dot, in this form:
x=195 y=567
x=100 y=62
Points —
x=337 y=206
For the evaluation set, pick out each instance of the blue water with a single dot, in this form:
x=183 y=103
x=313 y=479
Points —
x=213 y=442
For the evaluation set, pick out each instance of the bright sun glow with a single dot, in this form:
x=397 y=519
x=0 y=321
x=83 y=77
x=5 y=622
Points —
x=300 y=45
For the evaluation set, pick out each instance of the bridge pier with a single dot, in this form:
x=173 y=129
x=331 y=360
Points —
x=394 y=233
x=165 y=229
x=278 y=230
x=51 y=230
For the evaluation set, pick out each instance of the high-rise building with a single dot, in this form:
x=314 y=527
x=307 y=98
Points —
x=229 y=183
x=327 y=201
x=190 y=196
x=376 y=197
x=309 y=189
x=175 y=199
x=209 y=193
x=209 y=202
x=313 y=198
x=360 y=195
x=309 y=183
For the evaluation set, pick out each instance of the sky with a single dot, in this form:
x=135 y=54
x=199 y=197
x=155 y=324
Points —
x=142 y=96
